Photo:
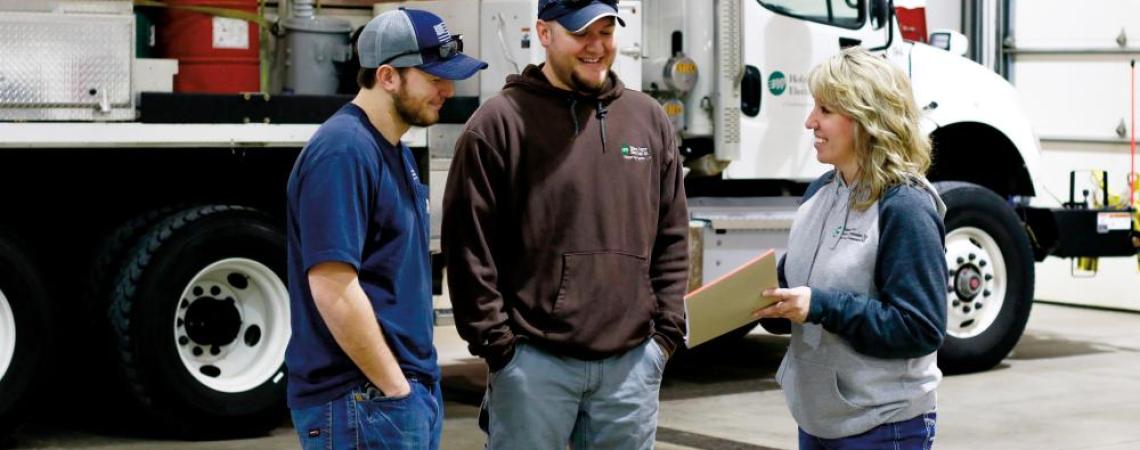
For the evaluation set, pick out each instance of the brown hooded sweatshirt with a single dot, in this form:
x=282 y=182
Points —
x=565 y=223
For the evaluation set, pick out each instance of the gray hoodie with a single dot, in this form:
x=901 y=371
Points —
x=867 y=353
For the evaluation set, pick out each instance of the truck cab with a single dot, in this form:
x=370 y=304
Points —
x=741 y=123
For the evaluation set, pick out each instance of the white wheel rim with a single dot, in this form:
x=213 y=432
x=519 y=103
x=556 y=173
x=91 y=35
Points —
x=973 y=255
x=257 y=350
x=7 y=335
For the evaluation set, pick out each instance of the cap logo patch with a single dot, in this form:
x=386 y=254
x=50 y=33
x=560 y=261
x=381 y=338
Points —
x=441 y=32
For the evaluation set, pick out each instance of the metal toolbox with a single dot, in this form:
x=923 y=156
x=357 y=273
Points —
x=66 y=61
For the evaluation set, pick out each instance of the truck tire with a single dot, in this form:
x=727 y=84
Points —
x=109 y=255
x=98 y=349
x=200 y=316
x=25 y=334
x=990 y=280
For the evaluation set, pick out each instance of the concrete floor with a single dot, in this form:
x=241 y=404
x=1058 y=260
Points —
x=1073 y=382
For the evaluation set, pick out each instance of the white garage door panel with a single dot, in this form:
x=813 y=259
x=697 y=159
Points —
x=1073 y=96
x=1114 y=285
x=1075 y=24
x=1074 y=79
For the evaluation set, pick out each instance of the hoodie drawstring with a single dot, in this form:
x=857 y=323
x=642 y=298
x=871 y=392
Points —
x=601 y=116
x=574 y=114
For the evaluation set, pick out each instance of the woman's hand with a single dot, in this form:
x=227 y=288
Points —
x=792 y=304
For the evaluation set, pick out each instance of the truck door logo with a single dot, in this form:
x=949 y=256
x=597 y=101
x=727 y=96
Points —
x=777 y=83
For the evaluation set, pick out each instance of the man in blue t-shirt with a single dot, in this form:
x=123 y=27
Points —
x=362 y=368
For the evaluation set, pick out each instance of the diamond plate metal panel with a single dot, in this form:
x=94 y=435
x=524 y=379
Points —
x=51 y=64
x=68 y=6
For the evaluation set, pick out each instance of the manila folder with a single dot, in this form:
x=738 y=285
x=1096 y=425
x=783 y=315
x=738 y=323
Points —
x=727 y=303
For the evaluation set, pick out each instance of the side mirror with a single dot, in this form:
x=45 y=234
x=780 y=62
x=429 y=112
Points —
x=880 y=13
x=951 y=41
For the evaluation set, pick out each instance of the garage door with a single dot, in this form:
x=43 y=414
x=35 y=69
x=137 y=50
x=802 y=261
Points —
x=1070 y=62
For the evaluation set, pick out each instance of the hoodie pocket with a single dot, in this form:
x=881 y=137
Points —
x=814 y=394
x=605 y=292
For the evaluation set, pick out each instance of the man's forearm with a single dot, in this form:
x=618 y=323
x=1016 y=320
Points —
x=353 y=324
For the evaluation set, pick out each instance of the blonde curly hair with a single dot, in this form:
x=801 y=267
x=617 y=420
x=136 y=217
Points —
x=889 y=145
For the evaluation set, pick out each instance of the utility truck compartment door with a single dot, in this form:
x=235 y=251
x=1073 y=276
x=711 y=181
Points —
x=65 y=66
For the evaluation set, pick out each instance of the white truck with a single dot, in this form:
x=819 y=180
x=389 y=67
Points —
x=732 y=74
x=151 y=255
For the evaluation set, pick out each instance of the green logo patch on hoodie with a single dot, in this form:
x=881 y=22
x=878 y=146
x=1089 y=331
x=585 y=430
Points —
x=635 y=153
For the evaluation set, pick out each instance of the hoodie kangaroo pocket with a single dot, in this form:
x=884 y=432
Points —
x=604 y=292
x=814 y=394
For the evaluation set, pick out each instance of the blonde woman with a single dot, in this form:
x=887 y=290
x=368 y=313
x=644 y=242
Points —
x=867 y=309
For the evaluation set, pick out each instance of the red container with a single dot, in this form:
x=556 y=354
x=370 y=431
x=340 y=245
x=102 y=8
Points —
x=912 y=23
x=215 y=54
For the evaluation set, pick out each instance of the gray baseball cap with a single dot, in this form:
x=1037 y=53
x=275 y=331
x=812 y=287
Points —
x=415 y=38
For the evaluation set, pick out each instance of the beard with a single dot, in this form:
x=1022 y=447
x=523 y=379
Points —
x=414 y=111
x=576 y=82
x=587 y=86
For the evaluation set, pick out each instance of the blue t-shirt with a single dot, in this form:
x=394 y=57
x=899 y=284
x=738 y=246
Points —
x=355 y=198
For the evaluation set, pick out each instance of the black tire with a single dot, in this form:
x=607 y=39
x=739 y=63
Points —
x=988 y=252
x=97 y=350
x=99 y=286
x=148 y=301
x=108 y=258
x=24 y=304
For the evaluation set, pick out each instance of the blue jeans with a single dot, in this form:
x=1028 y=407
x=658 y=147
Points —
x=541 y=400
x=912 y=434
x=365 y=419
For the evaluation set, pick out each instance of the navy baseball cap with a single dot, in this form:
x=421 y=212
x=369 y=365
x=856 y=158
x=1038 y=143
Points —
x=576 y=15
x=415 y=38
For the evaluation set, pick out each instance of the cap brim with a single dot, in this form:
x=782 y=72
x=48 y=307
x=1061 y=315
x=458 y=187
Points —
x=577 y=21
x=458 y=67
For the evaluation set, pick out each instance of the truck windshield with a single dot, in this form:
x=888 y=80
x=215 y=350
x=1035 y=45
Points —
x=841 y=13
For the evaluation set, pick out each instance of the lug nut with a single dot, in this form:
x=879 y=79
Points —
x=973 y=256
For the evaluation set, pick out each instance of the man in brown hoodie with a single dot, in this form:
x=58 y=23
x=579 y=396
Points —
x=564 y=231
